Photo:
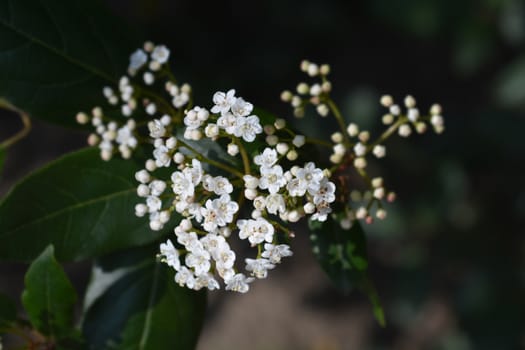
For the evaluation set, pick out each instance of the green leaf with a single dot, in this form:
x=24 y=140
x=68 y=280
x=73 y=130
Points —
x=79 y=203
x=49 y=297
x=7 y=310
x=142 y=308
x=342 y=255
x=55 y=56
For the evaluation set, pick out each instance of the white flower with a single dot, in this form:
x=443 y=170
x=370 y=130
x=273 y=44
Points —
x=228 y=122
x=195 y=171
x=259 y=267
x=199 y=260
x=266 y=159
x=137 y=60
x=226 y=208
x=272 y=179
x=248 y=128
x=156 y=129
x=125 y=137
x=275 y=203
x=250 y=181
x=225 y=258
x=206 y=281
x=195 y=117
x=239 y=283
x=189 y=240
x=170 y=255
x=185 y=277
x=241 y=108
x=154 y=204
x=157 y=187
x=218 y=212
x=323 y=209
x=180 y=100
x=222 y=186
x=211 y=130
x=182 y=184
x=326 y=192
x=160 y=54
x=162 y=157
x=223 y=101
x=213 y=243
x=257 y=231
x=275 y=252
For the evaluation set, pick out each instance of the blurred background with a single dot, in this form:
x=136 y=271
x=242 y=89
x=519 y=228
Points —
x=449 y=262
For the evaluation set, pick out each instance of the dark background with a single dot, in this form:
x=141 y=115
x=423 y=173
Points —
x=449 y=261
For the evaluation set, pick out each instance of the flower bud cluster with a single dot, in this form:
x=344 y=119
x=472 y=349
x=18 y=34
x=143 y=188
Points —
x=121 y=133
x=315 y=94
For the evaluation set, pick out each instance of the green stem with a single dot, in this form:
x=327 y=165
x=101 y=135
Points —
x=26 y=121
x=387 y=133
x=211 y=161
x=340 y=120
x=320 y=142
x=244 y=156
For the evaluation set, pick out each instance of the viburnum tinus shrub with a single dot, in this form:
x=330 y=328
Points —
x=166 y=187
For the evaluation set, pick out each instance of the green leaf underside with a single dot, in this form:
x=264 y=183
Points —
x=79 y=203
x=145 y=309
x=7 y=310
x=55 y=56
x=343 y=256
x=49 y=297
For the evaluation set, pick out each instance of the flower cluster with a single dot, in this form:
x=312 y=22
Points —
x=256 y=189
x=205 y=201
x=351 y=146
x=121 y=134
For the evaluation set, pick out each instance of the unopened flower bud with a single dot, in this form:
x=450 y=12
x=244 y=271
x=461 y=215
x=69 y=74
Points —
x=410 y=102
x=82 y=118
x=286 y=96
x=352 y=130
x=322 y=110
x=386 y=100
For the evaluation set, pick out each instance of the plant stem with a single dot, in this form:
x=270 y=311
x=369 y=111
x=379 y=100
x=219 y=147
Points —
x=26 y=121
x=211 y=161
x=244 y=156
x=387 y=133
x=340 y=120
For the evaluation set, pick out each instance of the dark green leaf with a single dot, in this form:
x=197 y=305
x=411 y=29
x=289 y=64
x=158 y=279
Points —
x=79 y=203
x=342 y=255
x=7 y=310
x=142 y=308
x=55 y=56
x=49 y=297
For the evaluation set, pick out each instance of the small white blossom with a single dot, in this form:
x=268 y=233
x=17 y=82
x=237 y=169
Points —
x=239 y=283
x=272 y=179
x=160 y=54
x=275 y=252
x=267 y=159
x=223 y=101
x=241 y=108
x=170 y=255
x=137 y=60
x=248 y=128
x=257 y=231
x=259 y=267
